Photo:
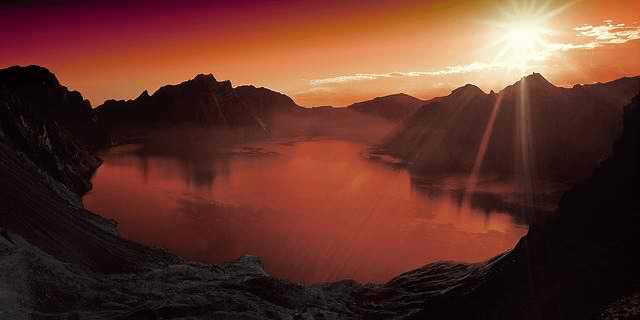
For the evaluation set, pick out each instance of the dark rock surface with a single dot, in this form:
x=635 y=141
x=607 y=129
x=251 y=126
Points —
x=44 y=169
x=48 y=125
x=568 y=130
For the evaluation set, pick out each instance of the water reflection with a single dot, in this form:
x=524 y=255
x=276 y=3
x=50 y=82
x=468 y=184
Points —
x=497 y=197
x=314 y=210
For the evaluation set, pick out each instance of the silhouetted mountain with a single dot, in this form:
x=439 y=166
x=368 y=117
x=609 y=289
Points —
x=392 y=107
x=563 y=132
x=44 y=169
x=201 y=100
x=48 y=125
x=264 y=101
x=35 y=92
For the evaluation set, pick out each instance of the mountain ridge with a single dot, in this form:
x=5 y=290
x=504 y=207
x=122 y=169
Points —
x=584 y=119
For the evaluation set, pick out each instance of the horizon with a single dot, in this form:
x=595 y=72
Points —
x=153 y=91
x=343 y=54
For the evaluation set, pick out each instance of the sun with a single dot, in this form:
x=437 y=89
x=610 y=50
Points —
x=525 y=38
x=523 y=34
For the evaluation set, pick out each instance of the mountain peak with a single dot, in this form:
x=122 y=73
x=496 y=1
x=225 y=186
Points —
x=143 y=95
x=467 y=90
x=16 y=76
x=533 y=82
x=537 y=80
x=205 y=77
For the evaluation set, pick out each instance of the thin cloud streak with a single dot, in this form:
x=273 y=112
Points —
x=473 y=67
x=607 y=33
x=603 y=34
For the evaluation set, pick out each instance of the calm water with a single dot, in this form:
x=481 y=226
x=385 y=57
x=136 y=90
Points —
x=314 y=210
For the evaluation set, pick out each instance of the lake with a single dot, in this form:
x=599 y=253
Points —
x=314 y=210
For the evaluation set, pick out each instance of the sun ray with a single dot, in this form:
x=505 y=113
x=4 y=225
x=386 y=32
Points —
x=484 y=143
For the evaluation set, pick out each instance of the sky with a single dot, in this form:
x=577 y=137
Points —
x=325 y=52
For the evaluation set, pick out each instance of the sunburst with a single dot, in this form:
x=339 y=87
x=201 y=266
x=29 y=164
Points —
x=524 y=33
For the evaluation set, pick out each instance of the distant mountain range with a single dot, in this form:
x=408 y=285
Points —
x=204 y=100
x=564 y=131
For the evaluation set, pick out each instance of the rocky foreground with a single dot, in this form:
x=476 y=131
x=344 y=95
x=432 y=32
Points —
x=60 y=261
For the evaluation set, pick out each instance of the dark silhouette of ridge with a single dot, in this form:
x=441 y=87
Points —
x=201 y=100
x=567 y=130
x=392 y=107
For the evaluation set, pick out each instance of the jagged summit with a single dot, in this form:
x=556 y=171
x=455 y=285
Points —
x=204 y=77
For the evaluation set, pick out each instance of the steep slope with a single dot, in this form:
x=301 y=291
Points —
x=561 y=133
x=44 y=169
x=48 y=125
x=392 y=107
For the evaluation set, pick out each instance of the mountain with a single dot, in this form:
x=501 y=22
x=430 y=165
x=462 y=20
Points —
x=34 y=91
x=392 y=107
x=45 y=167
x=201 y=100
x=264 y=101
x=564 y=132
x=49 y=125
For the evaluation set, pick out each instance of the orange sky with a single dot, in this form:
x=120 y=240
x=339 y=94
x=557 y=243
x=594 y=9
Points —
x=318 y=52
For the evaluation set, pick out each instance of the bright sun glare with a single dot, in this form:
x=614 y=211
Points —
x=524 y=38
x=523 y=34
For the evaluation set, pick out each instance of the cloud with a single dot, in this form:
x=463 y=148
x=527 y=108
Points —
x=601 y=35
x=314 y=89
x=349 y=78
x=473 y=67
